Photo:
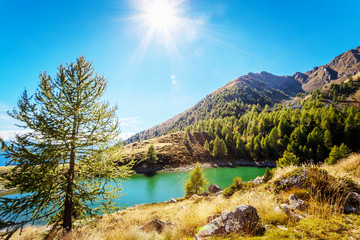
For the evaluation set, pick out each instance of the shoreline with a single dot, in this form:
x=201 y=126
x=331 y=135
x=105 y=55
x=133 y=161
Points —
x=189 y=167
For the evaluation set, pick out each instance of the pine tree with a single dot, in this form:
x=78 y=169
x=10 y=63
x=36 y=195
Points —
x=197 y=181
x=287 y=159
x=186 y=135
x=151 y=155
x=68 y=143
x=207 y=146
x=338 y=153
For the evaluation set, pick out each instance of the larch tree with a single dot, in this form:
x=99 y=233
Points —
x=64 y=163
x=151 y=155
x=196 y=183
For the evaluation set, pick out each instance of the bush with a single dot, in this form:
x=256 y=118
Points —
x=151 y=155
x=338 y=153
x=196 y=183
x=235 y=186
x=287 y=159
x=268 y=175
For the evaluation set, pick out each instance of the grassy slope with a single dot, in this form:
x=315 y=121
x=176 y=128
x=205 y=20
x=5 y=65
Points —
x=171 y=150
x=322 y=221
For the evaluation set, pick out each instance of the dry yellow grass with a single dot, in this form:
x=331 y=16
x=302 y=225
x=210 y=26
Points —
x=347 y=168
x=188 y=215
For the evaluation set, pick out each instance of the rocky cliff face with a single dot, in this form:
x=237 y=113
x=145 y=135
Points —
x=340 y=68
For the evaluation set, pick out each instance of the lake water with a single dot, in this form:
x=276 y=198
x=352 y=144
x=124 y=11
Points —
x=163 y=186
x=159 y=187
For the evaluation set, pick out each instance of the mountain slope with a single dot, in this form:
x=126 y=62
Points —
x=231 y=100
x=261 y=88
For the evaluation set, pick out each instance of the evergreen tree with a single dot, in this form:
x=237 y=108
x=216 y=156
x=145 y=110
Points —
x=268 y=175
x=151 y=155
x=186 y=135
x=337 y=153
x=219 y=148
x=70 y=131
x=287 y=159
x=196 y=182
x=207 y=146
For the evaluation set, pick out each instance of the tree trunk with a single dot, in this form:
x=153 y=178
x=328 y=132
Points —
x=67 y=220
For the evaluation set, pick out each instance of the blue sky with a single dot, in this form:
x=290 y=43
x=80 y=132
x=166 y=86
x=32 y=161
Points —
x=226 y=39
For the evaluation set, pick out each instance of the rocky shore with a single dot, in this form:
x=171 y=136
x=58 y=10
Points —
x=146 y=168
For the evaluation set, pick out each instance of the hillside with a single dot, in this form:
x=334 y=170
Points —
x=231 y=100
x=263 y=88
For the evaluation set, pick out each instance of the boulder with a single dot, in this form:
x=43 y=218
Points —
x=213 y=188
x=155 y=225
x=244 y=219
x=172 y=200
x=352 y=203
x=349 y=209
x=290 y=212
x=296 y=203
x=210 y=218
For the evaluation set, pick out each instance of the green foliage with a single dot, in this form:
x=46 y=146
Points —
x=235 y=186
x=151 y=155
x=207 y=146
x=268 y=175
x=196 y=182
x=338 y=153
x=70 y=141
x=219 y=148
x=287 y=159
x=186 y=135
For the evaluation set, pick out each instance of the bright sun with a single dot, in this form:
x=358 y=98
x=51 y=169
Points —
x=160 y=14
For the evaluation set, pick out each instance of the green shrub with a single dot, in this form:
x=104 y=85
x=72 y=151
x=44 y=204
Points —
x=287 y=159
x=235 y=186
x=268 y=175
x=338 y=153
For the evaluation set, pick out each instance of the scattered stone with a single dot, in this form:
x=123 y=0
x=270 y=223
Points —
x=155 y=225
x=204 y=194
x=244 y=219
x=349 y=209
x=213 y=188
x=282 y=227
x=296 y=203
x=182 y=207
x=258 y=180
x=290 y=212
x=172 y=200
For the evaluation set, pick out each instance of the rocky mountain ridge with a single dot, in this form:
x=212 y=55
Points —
x=281 y=88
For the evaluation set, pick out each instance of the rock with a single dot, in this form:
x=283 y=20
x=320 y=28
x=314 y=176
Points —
x=172 y=200
x=155 y=225
x=213 y=188
x=244 y=219
x=282 y=227
x=349 y=209
x=352 y=203
x=210 y=218
x=290 y=212
x=258 y=180
x=182 y=208
x=296 y=203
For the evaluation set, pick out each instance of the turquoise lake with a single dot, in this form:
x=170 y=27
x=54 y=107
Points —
x=161 y=187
